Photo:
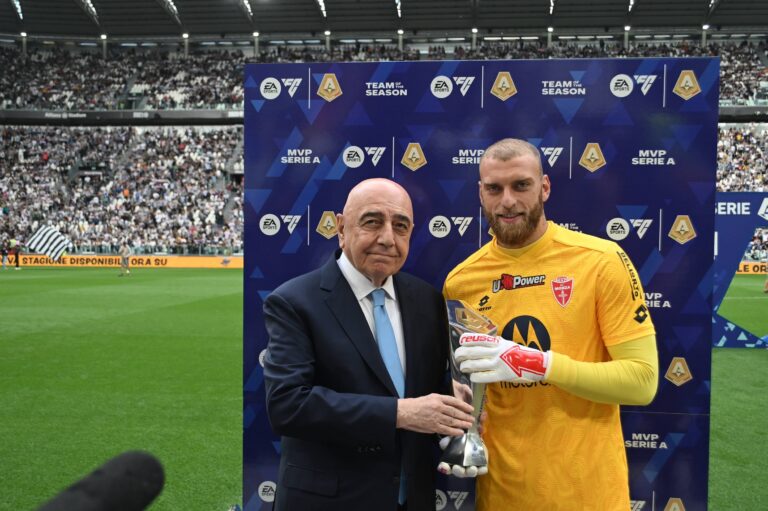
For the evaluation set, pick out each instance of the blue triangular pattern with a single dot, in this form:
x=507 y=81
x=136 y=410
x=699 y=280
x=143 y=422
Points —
x=307 y=194
x=647 y=67
x=577 y=74
x=650 y=267
x=254 y=380
x=264 y=293
x=628 y=212
x=451 y=187
x=293 y=141
x=535 y=141
x=429 y=104
x=257 y=273
x=421 y=133
x=702 y=190
x=688 y=336
x=337 y=170
x=256 y=198
x=257 y=104
x=668 y=143
x=618 y=117
x=696 y=304
x=709 y=78
x=447 y=68
x=248 y=416
x=311 y=111
x=358 y=116
x=674 y=257
x=685 y=134
x=657 y=462
x=276 y=446
x=293 y=243
x=568 y=107
x=250 y=83
x=318 y=77
x=696 y=104
x=382 y=71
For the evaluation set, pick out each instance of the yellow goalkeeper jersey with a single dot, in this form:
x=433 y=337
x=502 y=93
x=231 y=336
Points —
x=574 y=294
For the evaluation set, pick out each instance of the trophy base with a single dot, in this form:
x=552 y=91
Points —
x=467 y=450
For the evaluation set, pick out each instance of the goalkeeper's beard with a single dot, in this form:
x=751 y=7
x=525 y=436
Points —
x=516 y=235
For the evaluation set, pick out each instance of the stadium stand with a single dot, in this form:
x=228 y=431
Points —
x=741 y=152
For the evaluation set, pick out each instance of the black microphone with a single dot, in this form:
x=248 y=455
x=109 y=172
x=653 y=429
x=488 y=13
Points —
x=128 y=482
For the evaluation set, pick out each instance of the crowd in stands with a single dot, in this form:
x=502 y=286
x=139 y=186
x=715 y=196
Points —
x=53 y=78
x=741 y=159
x=164 y=190
x=757 y=250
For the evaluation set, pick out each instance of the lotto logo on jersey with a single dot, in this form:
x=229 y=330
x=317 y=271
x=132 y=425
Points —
x=414 y=158
x=687 y=86
x=442 y=86
x=509 y=282
x=504 y=86
x=592 y=158
x=552 y=154
x=329 y=88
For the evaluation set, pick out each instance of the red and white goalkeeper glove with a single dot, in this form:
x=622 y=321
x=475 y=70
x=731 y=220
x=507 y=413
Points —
x=489 y=359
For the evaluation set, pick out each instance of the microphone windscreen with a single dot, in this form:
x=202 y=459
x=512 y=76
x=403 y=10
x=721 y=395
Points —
x=128 y=482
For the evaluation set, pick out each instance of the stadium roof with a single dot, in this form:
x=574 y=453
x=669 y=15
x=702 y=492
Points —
x=227 y=18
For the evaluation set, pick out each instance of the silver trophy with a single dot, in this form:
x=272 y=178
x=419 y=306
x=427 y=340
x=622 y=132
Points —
x=467 y=450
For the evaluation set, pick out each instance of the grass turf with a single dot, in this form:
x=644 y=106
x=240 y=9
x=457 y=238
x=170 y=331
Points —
x=92 y=365
x=746 y=305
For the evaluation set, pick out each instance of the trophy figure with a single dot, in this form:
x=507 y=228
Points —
x=467 y=450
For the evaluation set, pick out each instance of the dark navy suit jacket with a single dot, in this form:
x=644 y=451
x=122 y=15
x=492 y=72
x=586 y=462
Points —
x=330 y=397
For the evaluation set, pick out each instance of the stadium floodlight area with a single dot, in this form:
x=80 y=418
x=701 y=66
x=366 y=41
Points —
x=17 y=6
x=89 y=9
x=171 y=9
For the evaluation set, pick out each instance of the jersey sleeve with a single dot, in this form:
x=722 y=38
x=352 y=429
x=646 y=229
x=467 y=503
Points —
x=621 y=310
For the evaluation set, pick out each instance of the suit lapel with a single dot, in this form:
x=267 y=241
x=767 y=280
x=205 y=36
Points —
x=344 y=306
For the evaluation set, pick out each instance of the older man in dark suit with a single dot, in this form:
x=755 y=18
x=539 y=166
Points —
x=355 y=366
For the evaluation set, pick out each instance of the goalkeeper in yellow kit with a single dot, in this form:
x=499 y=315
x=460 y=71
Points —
x=576 y=341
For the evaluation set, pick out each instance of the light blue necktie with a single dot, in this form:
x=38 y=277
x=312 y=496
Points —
x=385 y=336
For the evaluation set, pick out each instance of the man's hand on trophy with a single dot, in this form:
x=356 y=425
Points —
x=435 y=413
x=458 y=470
x=489 y=359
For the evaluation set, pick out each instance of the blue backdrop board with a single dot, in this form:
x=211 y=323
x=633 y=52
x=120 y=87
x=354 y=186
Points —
x=630 y=147
x=738 y=215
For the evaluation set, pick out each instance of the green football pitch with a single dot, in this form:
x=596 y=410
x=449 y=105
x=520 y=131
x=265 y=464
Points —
x=745 y=304
x=92 y=364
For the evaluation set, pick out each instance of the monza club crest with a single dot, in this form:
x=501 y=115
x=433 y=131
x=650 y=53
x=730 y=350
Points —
x=562 y=287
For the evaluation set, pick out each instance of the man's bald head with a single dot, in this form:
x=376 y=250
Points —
x=508 y=148
x=375 y=228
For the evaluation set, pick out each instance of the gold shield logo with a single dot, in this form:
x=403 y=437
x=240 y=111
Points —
x=687 y=86
x=678 y=372
x=674 y=504
x=329 y=87
x=592 y=158
x=682 y=230
x=326 y=227
x=504 y=86
x=414 y=157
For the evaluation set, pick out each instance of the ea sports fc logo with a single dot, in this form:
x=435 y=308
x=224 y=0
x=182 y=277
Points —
x=528 y=331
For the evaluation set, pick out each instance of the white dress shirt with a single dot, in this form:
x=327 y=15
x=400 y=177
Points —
x=362 y=287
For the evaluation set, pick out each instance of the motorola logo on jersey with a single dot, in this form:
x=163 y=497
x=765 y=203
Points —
x=622 y=86
x=687 y=86
x=552 y=154
x=652 y=157
x=442 y=86
x=509 y=282
x=528 y=331
x=270 y=88
x=617 y=229
x=641 y=225
x=468 y=157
